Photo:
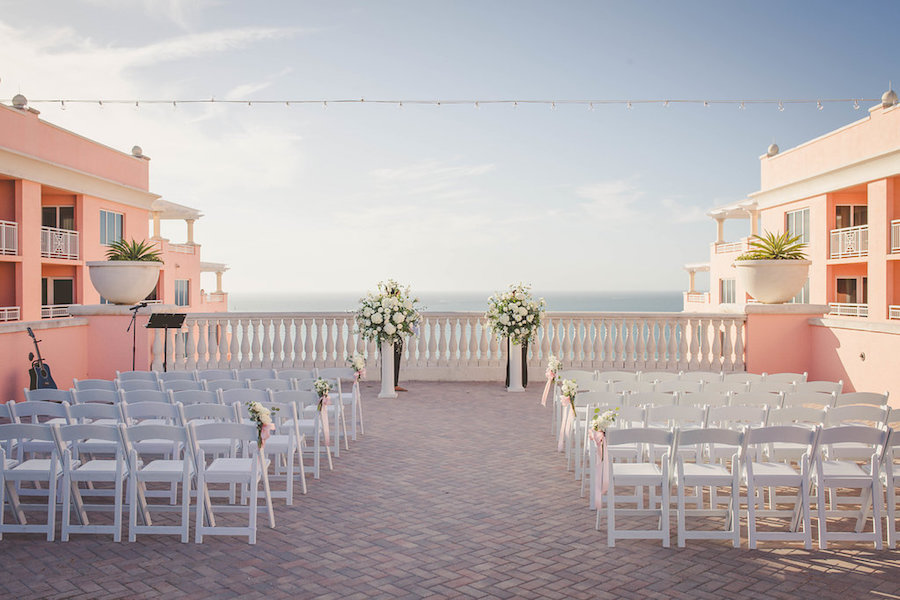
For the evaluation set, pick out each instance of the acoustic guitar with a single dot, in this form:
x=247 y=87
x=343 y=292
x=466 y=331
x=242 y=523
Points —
x=39 y=371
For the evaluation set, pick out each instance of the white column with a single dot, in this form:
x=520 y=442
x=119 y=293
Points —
x=720 y=230
x=691 y=274
x=190 y=230
x=515 y=368
x=754 y=222
x=156 y=234
x=218 y=282
x=387 y=371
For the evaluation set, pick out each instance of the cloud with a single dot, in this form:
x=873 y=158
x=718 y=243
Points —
x=610 y=201
x=680 y=212
x=180 y=12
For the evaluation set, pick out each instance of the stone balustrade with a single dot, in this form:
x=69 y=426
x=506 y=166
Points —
x=458 y=345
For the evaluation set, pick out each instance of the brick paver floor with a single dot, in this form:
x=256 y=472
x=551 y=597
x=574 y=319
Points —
x=455 y=491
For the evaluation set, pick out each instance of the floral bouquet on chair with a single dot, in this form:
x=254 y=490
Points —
x=515 y=314
x=322 y=387
x=599 y=424
x=358 y=362
x=554 y=366
x=262 y=416
x=388 y=314
x=568 y=389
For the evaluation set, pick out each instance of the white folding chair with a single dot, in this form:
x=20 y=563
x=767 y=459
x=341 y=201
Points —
x=741 y=377
x=808 y=399
x=180 y=385
x=97 y=413
x=269 y=384
x=49 y=395
x=891 y=481
x=94 y=384
x=726 y=387
x=335 y=412
x=679 y=386
x=246 y=471
x=346 y=378
x=703 y=399
x=704 y=377
x=187 y=397
x=13 y=472
x=288 y=374
x=245 y=374
x=308 y=426
x=584 y=404
x=854 y=414
x=771 y=387
x=170 y=376
x=650 y=399
x=214 y=374
x=223 y=384
x=137 y=384
x=36 y=412
x=832 y=474
x=632 y=387
x=759 y=474
x=79 y=468
x=862 y=398
x=96 y=397
x=800 y=416
x=659 y=376
x=793 y=378
x=821 y=387
x=604 y=376
x=699 y=474
x=736 y=418
x=142 y=396
x=282 y=445
x=757 y=399
x=637 y=475
x=151 y=376
x=144 y=467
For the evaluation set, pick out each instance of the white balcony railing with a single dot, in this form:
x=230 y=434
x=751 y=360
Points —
x=850 y=242
x=895 y=236
x=215 y=297
x=893 y=311
x=726 y=247
x=847 y=309
x=700 y=297
x=458 y=345
x=54 y=311
x=9 y=238
x=9 y=313
x=183 y=248
x=59 y=243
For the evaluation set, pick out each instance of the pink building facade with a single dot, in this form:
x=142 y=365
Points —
x=63 y=199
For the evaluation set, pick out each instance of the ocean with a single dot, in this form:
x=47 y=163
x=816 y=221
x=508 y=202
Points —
x=670 y=301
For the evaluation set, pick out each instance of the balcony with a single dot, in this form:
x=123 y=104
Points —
x=846 y=309
x=850 y=242
x=728 y=247
x=59 y=243
x=183 y=248
x=54 y=311
x=895 y=236
x=9 y=238
x=697 y=297
x=893 y=311
x=9 y=313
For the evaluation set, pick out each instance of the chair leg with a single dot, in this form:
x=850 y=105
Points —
x=876 y=510
x=751 y=514
x=51 y=506
x=66 y=508
x=185 y=508
x=201 y=497
x=664 y=512
x=117 y=517
x=679 y=516
x=820 y=513
x=132 y=507
x=891 y=515
x=611 y=515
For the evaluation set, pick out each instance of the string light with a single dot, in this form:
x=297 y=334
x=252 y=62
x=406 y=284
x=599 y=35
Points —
x=628 y=106
x=856 y=105
x=666 y=104
x=742 y=107
x=553 y=106
x=706 y=103
x=819 y=105
x=780 y=106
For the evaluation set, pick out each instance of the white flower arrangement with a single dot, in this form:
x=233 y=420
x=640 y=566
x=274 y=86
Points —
x=604 y=420
x=358 y=362
x=515 y=314
x=262 y=416
x=322 y=387
x=568 y=388
x=388 y=314
x=554 y=366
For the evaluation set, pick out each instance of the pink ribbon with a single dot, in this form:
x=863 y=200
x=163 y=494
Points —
x=601 y=464
x=323 y=402
x=265 y=430
x=360 y=374
x=565 y=423
x=550 y=377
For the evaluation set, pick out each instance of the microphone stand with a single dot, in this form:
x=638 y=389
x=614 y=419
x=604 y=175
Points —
x=131 y=327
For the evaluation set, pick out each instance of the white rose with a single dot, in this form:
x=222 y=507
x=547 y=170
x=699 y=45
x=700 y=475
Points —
x=408 y=305
x=367 y=312
x=504 y=319
x=377 y=318
x=523 y=311
x=389 y=329
x=399 y=318
x=530 y=318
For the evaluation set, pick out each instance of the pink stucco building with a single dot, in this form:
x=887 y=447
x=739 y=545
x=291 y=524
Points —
x=63 y=199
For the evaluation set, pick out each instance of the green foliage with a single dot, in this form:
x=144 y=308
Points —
x=772 y=246
x=134 y=250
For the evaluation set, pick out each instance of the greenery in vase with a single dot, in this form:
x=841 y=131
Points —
x=772 y=246
x=134 y=251
x=388 y=314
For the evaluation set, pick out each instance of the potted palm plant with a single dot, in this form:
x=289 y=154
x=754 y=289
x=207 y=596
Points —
x=128 y=274
x=775 y=268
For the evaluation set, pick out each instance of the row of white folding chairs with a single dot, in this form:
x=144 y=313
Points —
x=772 y=399
x=159 y=405
x=810 y=468
x=70 y=458
x=698 y=376
x=673 y=385
x=239 y=374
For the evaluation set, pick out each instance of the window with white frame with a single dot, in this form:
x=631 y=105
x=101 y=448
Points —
x=182 y=292
x=726 y=291
x=59 y=217
x=796 y=223
x=110 y=227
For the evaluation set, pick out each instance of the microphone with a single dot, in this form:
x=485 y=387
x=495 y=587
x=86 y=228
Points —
x=138 y=306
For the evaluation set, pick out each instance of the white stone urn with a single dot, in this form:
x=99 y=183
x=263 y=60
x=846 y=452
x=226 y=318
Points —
x=772 y=281
x=124 y=281
x=387 y=371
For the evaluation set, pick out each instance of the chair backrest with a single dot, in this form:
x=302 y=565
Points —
x=813 y=399
x=874 y=436
x=244 y=433
x=675 y=416
x=80 y=432
x=137 y=376
x=674 y=385
x=137 y=384
x=280 y=411
x=194 y=397
x=862 y=398
x=222 y=384
x=703 y=377
x=300 y=398
x=826 y=387
x=135 y=396
x=617 y=376
x=335 y=372
x=245 y=374
x=640 y=435
x=630 y=416
x=651 y=399
x=243 y=396
x=179 y=385
x=794 y=378
x=704 y=399
x=632 y=386
x=27 y=431
x=209 y=412
x=177 y=375
x=741 y=377
x=598 y=398
x=727 y=387
x=214 y=374
x=720 y=437
x=96 y=397
x=94 y=384
x=91 y=411
x=289 y=374
x=269 y=384
x=733 y=417
x=756 y=399
x=585 y=380
x=659 y=376
x=138 y=433
x=133 y=414
x=50 y=395
x=791 y=434
x=304 y=385
x=801 y=415
x=856 y=414
x=38 y=411
x=771 y=387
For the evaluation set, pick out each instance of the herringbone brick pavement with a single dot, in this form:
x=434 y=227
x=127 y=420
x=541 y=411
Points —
x=455 y=491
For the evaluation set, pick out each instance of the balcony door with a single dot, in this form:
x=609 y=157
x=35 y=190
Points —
x=852 y=290
x=850 y=216
x=57 y=290
x=59 y=217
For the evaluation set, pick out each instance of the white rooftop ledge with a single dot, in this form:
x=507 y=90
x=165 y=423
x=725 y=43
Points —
x=92 y=310
x=786 y=309
x=844 y=323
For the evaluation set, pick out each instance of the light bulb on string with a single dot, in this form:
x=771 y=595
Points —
x=706 y=103
x=515 y=104
x=288 y=104
x=100 y=103
x=819 y=105
x=62 y=105
x=591 y=107
x=628 y=105
x=666 y=104
x=553 y=106
x=476 y=104
x=324 y=104
x=856 y=105
x=174 y=105
x=742 y=107
x=399 y=105
x=780 y=106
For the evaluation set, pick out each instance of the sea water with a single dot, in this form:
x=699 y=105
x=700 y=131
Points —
x=665 y=301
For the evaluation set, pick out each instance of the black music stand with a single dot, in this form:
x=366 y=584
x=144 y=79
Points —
x=166 y=321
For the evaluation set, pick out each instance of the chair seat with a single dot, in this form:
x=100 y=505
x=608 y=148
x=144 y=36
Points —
x=33 y=469
x=769 y=473
x=228 y=470
x=625 y=473
x=853 y=450
x=164 y=470
x=843 y=473
x=96 y=470
x=708 y=473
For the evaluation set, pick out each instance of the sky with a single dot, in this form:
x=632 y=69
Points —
x=335 y=197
